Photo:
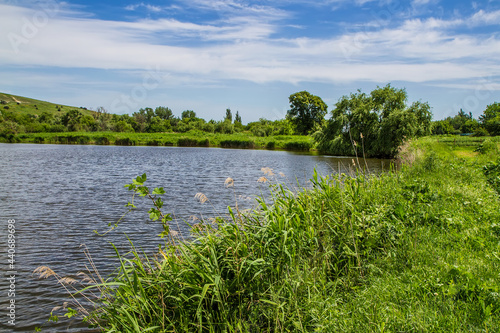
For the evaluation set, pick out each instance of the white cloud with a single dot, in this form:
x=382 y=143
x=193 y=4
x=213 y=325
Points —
x=241 y=47
x=485 y=18
x=149 y=7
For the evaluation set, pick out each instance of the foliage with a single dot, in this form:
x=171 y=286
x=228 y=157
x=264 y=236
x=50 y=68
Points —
x=375 y=124
x=241 y=144
x=199 y=138
x=492 y=173
x=237 y=118
x=306 y=112
x=491 y=118
x=442 y=127
x=488 y=146
x=265 y=127
x=229 y=116
x=413 y=250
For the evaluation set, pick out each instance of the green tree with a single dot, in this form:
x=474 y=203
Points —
x=229 y=115
x=88 y=123
x=442 y=127
x=375 y=124
x=306 y=112
x=491 y=118
x=157 y=125
x=237 y=118
x=164 y=113
x=122 y=126
x=188 y=115
x=71 y=120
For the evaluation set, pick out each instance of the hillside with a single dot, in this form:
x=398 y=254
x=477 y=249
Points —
x=24 y=105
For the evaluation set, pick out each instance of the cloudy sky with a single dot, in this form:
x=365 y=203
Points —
x=249 y=55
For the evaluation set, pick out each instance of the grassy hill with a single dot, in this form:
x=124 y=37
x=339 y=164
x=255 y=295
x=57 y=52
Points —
x=24 y=105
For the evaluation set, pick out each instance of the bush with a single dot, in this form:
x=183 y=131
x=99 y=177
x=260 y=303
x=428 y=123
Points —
x=481 y=131
x=204 y=143
x=125 y=142
x=187 y=142
x=239 y=144
x=298 y=145
x=488 y=146
x=271 y=145
x=101 y=140
x=57 y=128
x=492 y=173
x=153 y=143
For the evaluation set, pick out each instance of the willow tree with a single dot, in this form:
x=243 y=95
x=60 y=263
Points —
x=374 y=124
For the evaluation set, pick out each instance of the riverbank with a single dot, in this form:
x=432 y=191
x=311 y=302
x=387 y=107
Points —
x=413 y=250
x=188 y=139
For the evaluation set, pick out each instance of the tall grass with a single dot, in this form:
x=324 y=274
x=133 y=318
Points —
x=413 y=250
x=193 y=138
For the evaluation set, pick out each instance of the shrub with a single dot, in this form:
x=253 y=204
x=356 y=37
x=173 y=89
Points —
x=125 y=142
x=153 y=143
x=187 y=142
x=101 y=140
x=298 y=145
x=492 y=173
x=487 y=146
x=204 y=143
x=240 y=144
x=481 y=131
x=271 y=145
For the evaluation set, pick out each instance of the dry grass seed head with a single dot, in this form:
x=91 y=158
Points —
x=229 y=182
x=262 y=180
x=44 y=272
x=86 y=278
x=267 y=171
x=201 y=197
x=56 y=308
x=197 y=227
x=67 y=280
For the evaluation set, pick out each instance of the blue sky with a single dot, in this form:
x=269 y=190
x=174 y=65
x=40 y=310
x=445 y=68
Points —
x=209 y=55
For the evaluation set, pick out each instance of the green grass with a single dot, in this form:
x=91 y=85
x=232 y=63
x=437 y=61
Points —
x=417 y=250
x=23 y=105
x=192 y=138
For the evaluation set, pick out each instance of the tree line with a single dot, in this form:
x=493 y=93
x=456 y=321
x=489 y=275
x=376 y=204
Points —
x=146 y=120
x=373 y=124
x=377 y=124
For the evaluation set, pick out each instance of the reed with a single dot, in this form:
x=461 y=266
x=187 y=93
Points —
x=412 y=250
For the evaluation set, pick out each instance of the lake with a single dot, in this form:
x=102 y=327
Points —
x=59 y=194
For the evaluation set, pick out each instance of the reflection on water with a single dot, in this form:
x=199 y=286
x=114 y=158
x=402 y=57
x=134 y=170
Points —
x=58 y=195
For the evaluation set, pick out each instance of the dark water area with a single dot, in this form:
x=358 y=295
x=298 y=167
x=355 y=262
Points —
x=58 y=195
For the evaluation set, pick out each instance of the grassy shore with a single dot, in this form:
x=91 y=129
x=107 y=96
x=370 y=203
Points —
x=188 y=139
x=412 y=250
